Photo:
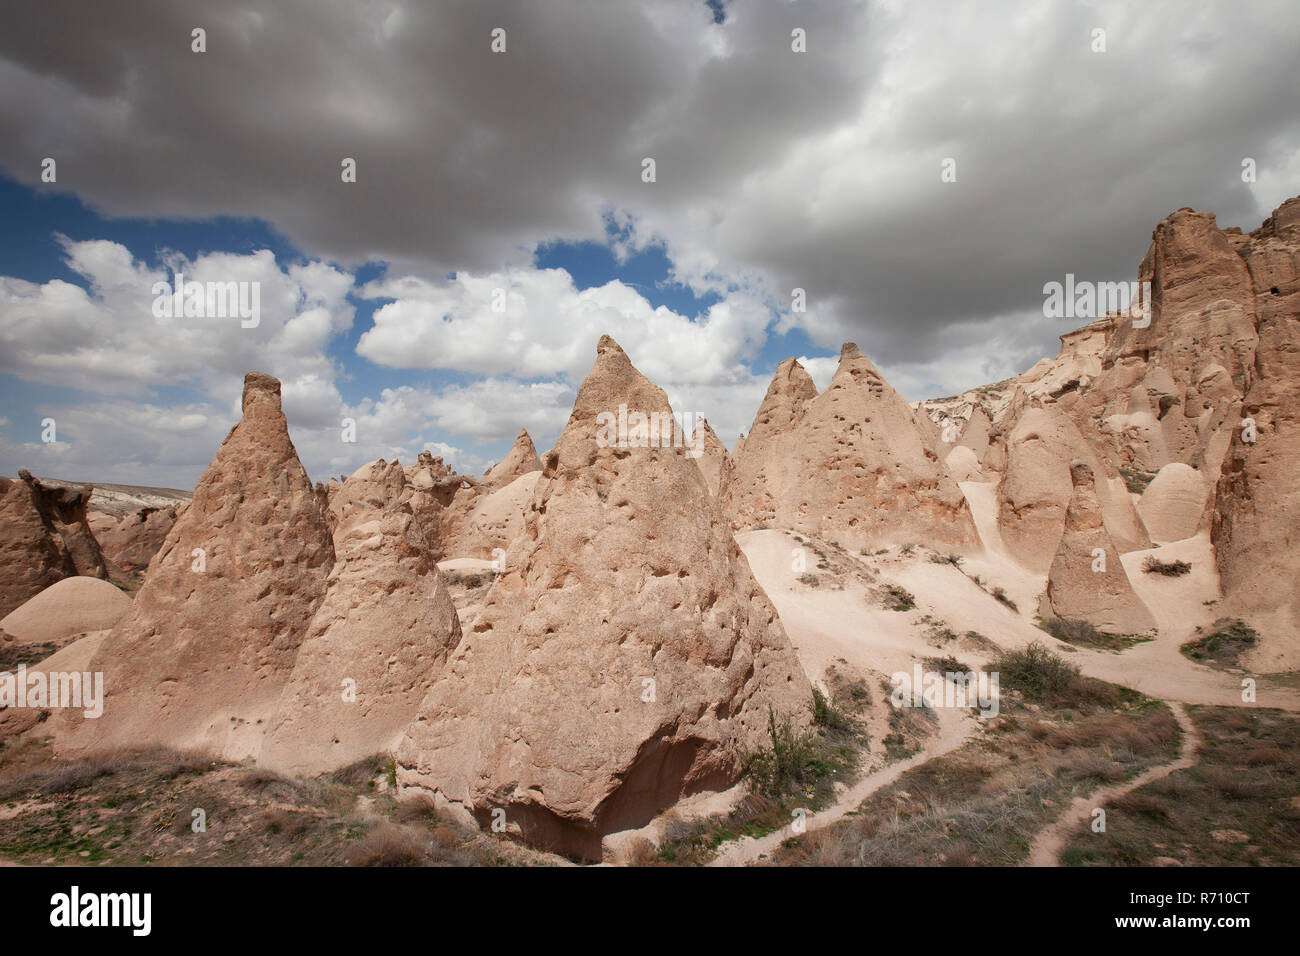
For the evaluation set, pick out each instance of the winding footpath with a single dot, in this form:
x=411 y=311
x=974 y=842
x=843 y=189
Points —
x=1047 y=846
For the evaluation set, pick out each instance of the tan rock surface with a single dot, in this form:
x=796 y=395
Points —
x=628 y=574
x=201 y=658
x=1171 y=506
x=66 y=609
x=855 y=464
x=520 y=460
x=1087 y=580
x=1256 y=517
x=44 y=537
x=377 y=640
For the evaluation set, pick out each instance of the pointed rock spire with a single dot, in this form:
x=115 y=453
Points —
x=624 y=659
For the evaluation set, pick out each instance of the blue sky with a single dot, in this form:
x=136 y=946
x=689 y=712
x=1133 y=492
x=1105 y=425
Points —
x=32 y=248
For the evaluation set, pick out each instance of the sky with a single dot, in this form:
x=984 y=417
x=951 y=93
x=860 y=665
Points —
x=918 y=169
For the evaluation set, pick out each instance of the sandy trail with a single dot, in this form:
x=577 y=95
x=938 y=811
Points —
x=1047 y=846
x=826 y=624
x=955 y=728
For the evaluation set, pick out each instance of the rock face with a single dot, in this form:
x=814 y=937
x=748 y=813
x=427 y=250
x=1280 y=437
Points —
x=760 y=477
x=520 y=460
x=203 y=655
x=377 y=640
x=483 y=523
x=1257 y=499
x=624 y=658
x=130 y=542
x=44 y=537
x=854 y=464
x=1087 y=581
x=1036 y=488
x=715 y=460
x=66 y=609
x=1172 y=505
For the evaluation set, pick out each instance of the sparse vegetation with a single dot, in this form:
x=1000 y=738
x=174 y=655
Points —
x=1224 y=645
x=984 y=803
x=953 y=559
x=135 y=807
x=1235 y=807
x=810 y=579
x=1040 y=676
x=1084 y=634
x=1136 y=479
x=1001 y=596
x=1170 y=569
x=13 y=654
x=897 y=598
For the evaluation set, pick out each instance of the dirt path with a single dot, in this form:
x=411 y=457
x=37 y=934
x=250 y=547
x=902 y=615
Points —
x=1047 y=846
x=955 y=728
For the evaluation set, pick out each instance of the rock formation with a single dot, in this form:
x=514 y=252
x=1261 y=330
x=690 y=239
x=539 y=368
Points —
x=66 y=609
x=44 y=537
x=377 y=640
x=130 y=542
x=624 y=659
x=520 y=460
x=855 y=464
x=1256 y=510
x=207 y=648
x=1087 y=581
x=715 y=460
x=1172 y=505
x=1035 y=490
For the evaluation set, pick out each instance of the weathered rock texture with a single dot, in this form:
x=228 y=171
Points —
x=520 y=460
x=624 y=659
x=44 y=537
x=130 y=542
x=1087 y=581
x=1036 y=488
x=377 y=640
x=855 y=464
x=1256 y=512
x=203 y=656
x=714 y=460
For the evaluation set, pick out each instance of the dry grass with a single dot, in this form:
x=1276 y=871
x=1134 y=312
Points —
x=1236 y=807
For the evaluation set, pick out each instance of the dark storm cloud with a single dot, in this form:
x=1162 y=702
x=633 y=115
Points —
x=818 y=170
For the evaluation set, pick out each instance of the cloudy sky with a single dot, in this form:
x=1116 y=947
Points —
x=523 y=171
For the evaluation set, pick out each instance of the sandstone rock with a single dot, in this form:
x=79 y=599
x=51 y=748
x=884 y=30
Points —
x=1257 y=497
x=481 y=525
x=520 y=460
x=1079 y=586
x=855 y=464
x=975 y=435
x=44 y=537
x=129 y=543
x=66 y=609
x=1172 y=505
x=715 y=461
x=1035 y=490
x=962 y=464
x=386 y=625
x=623 y=661
x=202 y=657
